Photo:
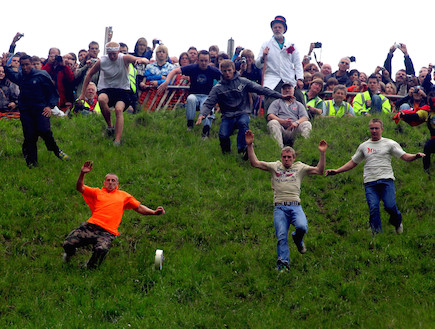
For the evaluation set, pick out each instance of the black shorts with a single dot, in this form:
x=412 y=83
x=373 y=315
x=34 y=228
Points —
x=117 y=95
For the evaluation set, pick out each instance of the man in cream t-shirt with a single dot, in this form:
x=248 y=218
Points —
x=378 y=174
x=286 y=178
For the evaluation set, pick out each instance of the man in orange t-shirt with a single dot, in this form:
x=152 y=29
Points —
x=107 y=205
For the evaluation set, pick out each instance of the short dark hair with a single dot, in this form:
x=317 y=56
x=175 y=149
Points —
x=93 y=43
x=203 y=52
x=122 y=44
x=192 y=48
x=373 y=76
x=24 y=57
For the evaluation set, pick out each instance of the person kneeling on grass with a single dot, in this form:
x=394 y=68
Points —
x=232 y=95
x=107 y=205
x=286 y=177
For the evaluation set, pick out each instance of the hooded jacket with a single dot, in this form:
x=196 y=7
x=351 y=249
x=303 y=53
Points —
x=233 y=96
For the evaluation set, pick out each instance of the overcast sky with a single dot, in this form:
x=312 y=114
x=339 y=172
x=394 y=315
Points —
x=365 y=30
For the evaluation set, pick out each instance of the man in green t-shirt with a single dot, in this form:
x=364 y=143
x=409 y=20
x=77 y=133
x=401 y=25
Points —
x=286 y=178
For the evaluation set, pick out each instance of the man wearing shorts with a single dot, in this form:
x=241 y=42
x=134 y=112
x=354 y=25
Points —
x=107 y=206
x=113 y=86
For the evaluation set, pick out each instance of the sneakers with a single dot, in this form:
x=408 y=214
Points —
x=282 y=266
x=116 y=143
x=244 y=153
x=189 y=125
x=62 y=155
x=399 y=229
x=110 y=131
x=66 y=258
x=205 y=132
x=301 y=247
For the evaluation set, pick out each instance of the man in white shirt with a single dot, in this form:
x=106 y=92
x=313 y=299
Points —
x=282 y=60
x=378 y=174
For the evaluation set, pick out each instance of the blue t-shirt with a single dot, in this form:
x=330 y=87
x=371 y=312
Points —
x=201 y=81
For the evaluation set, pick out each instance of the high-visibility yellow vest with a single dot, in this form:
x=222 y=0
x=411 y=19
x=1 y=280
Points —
x=315 y=102
x=132 y=72
x=343 y=109
x=359 y=103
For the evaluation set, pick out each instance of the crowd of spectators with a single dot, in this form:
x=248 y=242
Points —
x=321 y=89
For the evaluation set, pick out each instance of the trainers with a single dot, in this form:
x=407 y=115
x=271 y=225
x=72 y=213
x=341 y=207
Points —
x=110 y=131
x=301 y=248
x=116 y=143
x=62 y=155
x=66 y=258
x=282 y=266
x=399 y=229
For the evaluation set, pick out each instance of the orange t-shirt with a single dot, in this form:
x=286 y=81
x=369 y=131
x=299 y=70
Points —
x=107 y=208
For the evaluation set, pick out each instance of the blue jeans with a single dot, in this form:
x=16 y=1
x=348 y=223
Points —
x=376 y=104
x=382 y=189
x=283 y=216
x=194 y=102
x=228 y=125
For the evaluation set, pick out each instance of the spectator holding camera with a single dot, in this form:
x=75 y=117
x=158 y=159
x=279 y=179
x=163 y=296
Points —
x=86 y=63
x=415 y=99
x=62 y=76
x=247 y=68
x=401 y=75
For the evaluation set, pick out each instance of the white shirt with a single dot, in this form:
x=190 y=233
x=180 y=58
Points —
x=377 y=155
x=280 y=64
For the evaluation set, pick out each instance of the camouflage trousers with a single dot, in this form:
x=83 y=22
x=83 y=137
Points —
x=89 y=234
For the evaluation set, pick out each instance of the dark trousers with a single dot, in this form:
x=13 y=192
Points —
x=429 y=148
x=34 y=125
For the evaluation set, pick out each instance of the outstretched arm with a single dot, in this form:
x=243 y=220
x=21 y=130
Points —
x=348 y=166
x=143 y=210
x=94 y=69
x=412 y=157
x=320 y=168
x=249 y=138
x=87 y=167
x=171 y=74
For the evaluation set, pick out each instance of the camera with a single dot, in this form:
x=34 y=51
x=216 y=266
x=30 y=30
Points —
x=317 y=45
x=156 y=42
x=397 y=45
x=352 y=58
x=243 y=60
x=58 y=59
x=417 y=89
x=20 y=35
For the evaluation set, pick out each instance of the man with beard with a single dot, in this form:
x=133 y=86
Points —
x=282 y=61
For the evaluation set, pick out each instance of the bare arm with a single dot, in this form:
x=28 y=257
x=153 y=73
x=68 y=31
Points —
x=94 y=69
x=412 y=157
x=168 y=79
x=128 y=59
x=348 y=166
x=249 y=137
x=87 y=167
x=143 y=210
x=320 y=168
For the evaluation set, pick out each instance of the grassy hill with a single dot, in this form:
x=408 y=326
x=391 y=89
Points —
x=217 y=234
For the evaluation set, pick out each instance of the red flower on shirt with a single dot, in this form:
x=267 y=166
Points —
x=290 y=50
